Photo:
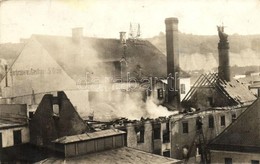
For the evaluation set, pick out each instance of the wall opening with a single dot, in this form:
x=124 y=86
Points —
x=185 y=127
x=1 y=141
x=222 y=121
x=160 y=93
x=254 y=161
x=157 y=132
x=234 y=117
x=166 y=134
x=211 y=121
x=17 y=136
x=166 y=153
x=183 y=89
x=228 y=160
x=140 y=134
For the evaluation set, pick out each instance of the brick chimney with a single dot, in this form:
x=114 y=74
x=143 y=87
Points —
x=223 y=55
x=77 y=34
x=172 y=47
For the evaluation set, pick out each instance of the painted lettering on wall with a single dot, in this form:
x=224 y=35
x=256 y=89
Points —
x=33 y=71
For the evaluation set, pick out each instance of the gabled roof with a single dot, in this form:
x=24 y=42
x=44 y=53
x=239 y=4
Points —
x=78 y=56
x=243 y=134
x=234 y=91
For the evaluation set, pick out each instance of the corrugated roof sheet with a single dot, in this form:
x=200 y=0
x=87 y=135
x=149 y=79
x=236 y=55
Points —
x=123 y=155
x=88 y=136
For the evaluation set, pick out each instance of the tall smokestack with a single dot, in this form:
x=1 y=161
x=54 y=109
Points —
x=172 y=46
x=223 y=55
x=6 y=76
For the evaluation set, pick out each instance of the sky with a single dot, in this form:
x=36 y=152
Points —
x=106 y=18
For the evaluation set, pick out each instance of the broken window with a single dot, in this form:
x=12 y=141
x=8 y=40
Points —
x=222 y=121
x=211 y=121
x=254 y=162
x=234 y=117
x=140 y=134
x=56 y=109
x=166 y=153
x=185 y=127
x=1 y=142
x=166 y=134
x=210 y=101
x=228 y=160
x=31 y=114
x=17 y=136
x=160 y=93
x=182 y=88
x=157 y=131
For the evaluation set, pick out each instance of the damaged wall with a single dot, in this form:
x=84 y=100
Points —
x=55 y=117
x=185 y=136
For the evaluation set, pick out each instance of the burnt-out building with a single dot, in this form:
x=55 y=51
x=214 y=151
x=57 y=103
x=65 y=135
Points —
x=55 y=117
x=151 y=136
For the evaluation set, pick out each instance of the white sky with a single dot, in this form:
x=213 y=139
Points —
x=105 y=18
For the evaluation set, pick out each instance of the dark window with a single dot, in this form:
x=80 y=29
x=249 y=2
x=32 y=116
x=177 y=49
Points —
x=166 y=153
x=160 y=93
x=185 y=127
x=210 y=100
x=228 y=160
x=234 y=117
x=254 y=162
x=166 y=134
x=222 y=121
x=17 y=137
x=157 y=151
x=182 y=88
x=140 y=134
x=1 y=142
x=211 y=121
x=30 y=114
x=157 y=132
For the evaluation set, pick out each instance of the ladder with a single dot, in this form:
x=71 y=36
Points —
x=200 y=140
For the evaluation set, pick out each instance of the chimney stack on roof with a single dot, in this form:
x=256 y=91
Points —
x=223 y=55
x=77 y=33
x=172 y=47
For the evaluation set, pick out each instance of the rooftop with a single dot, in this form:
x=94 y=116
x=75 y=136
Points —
x=88 y=136
x=6 y=124
x=243 y=134
x=121 y=155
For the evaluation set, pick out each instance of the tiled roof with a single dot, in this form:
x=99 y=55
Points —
x=123 y=155
x=243 y=134
x=77 y=57
x=88 y=136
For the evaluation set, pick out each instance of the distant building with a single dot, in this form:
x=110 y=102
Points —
x=240 y=142
x=14 y=129
x=13 y=125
